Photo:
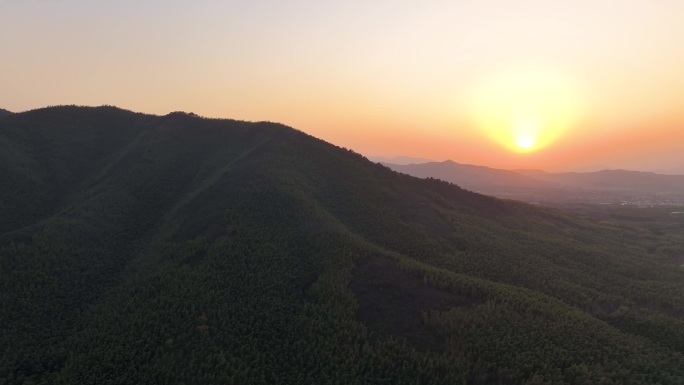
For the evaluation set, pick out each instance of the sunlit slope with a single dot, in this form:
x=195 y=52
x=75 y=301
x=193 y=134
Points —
x=175 y=248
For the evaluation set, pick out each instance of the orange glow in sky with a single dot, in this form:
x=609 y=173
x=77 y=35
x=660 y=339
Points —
x=556 y=85
x=526 y=110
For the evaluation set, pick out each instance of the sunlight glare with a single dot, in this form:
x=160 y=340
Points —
x=526 y=129
x=524 y=142
x=526 y=110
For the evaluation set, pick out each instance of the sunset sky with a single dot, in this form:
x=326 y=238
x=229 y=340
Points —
x=556 y=85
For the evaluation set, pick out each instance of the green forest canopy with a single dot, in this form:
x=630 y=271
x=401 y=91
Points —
x=179 y=249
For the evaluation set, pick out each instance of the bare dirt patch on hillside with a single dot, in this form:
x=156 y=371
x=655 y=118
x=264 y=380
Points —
x=391 y=301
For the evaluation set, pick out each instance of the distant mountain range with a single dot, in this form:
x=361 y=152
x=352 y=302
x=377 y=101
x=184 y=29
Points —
x=534 y=184
x=400 y=160
x=613 y=180
x=4 y=112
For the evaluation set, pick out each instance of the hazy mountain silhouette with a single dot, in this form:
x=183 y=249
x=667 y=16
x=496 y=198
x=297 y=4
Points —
x=612 y=180
x=4 y=112
x=167 y=249
x=500 y=182
x=399 y=160
x=470 y=176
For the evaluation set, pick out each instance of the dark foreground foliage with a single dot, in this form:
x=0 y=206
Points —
x=176 y=249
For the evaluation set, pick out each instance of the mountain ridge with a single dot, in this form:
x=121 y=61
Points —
x=137 y=248
x=499 y=181
x=399 y=159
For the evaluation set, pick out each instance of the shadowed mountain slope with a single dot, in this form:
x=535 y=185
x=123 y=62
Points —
x=171 y=249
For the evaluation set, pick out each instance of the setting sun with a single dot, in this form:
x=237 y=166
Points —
x=526 y=130
x=532 y=84
x=526 y=110
x=525 y=143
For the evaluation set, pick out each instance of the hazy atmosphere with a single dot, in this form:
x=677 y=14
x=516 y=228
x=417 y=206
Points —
x=579 y=85
x=349 y=193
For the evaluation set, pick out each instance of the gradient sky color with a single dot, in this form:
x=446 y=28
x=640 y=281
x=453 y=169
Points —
x=418 y=78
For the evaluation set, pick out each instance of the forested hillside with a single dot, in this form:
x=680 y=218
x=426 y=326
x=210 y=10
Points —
x=182 y=250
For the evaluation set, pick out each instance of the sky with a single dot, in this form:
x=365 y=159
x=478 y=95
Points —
x=556 y=85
